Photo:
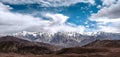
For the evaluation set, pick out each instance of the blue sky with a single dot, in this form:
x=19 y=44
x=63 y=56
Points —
x=76 y=15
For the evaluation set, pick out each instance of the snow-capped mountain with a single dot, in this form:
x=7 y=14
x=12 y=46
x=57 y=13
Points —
x=35 y=36
x=67 y=39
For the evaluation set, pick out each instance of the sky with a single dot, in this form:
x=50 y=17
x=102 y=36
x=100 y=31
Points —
x=59 y=16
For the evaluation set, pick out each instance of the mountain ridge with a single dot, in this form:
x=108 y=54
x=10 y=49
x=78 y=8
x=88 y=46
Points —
x=66 y=39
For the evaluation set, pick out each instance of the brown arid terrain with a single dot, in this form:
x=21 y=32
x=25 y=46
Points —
x=15 y=47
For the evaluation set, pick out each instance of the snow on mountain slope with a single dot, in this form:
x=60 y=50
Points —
x=35 y=36
x=67 y=39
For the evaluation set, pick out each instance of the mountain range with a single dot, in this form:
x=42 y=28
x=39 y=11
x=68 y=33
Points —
x=66 y=39
x=15 y=47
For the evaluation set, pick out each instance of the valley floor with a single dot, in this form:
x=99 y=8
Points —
x=62 y=55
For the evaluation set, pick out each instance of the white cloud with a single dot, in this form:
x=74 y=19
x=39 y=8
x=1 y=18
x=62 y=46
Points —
x=107 y=25
x=108 y=29
x=4 y=7
x=109 y=2
x=108 y=18
x=99 y=6
x=47 y=3
x=57 y=18
x=65 y=28
x=12 y=22
x=15 y=22
x=111 y=12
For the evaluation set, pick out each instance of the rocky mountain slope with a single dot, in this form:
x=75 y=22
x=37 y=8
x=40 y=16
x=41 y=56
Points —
x=13 y=44
x=104 y=43
x=98 y=48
